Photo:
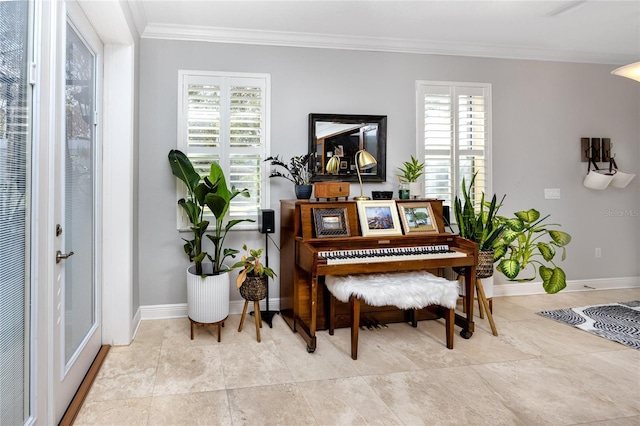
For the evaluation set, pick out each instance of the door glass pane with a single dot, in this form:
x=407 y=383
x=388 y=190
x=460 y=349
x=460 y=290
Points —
x=14 y=222
x=80 y=307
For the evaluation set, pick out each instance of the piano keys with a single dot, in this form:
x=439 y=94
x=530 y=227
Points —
x=341 y=257
x=305 y=260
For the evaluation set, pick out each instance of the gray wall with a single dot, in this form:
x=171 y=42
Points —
x=540 y=112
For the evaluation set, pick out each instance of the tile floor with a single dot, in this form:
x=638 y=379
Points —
x=536 y=372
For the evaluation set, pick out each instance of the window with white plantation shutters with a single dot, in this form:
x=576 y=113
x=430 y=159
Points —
x=224 y=118
x=454 y=122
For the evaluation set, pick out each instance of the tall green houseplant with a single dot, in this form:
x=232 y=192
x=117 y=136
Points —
x=210 y=191
x=483 y=226
x=527 y=240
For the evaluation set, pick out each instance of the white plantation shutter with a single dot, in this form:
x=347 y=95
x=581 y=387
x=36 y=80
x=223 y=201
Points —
x=454 y=137
x=224 y=118
x=246 y=142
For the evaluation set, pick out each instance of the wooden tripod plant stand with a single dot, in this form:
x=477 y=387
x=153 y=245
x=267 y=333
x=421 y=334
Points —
x=483 y=304
x=253 y=289
x=256 y=315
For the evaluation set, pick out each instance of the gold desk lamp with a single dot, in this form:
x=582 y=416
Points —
x=333 y=165
x=364 y=161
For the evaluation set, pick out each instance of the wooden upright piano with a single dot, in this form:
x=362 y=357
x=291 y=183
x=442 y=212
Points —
x=304 y=299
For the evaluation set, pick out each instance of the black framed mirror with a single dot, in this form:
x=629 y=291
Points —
x=344 y=135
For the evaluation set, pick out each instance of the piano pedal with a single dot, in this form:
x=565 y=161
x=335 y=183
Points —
x=372 y=324
x=366 y=324
x=381 y=324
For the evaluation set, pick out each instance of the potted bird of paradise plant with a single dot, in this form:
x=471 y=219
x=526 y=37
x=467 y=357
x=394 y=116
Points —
x=207 y=282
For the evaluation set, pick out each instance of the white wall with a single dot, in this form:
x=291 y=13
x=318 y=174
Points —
x=540 y=112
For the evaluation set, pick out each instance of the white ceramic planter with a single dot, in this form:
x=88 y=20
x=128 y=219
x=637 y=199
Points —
x=208 y=297
x=487 y=284
x=597 y=179
x=415 y=190
x=621 y=179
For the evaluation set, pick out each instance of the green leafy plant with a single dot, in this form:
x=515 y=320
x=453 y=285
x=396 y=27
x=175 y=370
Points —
x=527 y=240
x=483 y=226
x=210 y=191
x=252 y=266
x=297 y=170
x=411 y=170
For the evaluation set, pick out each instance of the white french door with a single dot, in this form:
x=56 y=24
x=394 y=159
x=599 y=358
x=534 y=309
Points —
x=77 y=290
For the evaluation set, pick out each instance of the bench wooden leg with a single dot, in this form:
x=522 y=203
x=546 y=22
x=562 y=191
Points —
x=355 y=325
x=450 y=319
x=413 y=313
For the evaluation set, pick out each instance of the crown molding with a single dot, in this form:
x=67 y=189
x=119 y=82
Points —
x=139 y=15
x=397 y=45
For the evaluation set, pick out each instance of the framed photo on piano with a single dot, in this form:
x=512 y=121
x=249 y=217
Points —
x=331 y=222
x=417 y=218
x=378 y=217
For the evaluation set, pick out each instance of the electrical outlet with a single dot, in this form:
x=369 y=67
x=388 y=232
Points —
x=598 y=253
x=552 y=193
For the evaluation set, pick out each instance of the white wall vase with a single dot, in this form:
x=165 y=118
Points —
x=415 y=190
x=208 y=297
x=597 y=179
x=622 y=179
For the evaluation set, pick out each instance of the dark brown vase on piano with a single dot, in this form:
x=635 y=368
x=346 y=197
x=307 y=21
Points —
x=303 y=192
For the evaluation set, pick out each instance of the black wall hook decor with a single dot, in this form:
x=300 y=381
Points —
x=595 y=150
x=598 y=150
x=606 y=149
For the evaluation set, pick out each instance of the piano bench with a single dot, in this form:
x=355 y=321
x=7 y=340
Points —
x=406 y=290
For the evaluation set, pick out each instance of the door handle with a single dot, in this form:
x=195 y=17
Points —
x=60 y=256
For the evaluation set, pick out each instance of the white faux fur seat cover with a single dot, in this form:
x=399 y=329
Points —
x=406 y=290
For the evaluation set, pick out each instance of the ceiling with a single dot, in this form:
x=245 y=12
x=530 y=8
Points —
x=576 y=31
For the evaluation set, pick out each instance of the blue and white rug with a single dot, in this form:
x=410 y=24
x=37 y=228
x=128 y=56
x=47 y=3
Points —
x=619 y=322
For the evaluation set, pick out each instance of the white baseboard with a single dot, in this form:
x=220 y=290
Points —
x=179 y=310
x=535 y=287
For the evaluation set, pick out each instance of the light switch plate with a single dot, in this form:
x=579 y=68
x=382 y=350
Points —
x=552 y=193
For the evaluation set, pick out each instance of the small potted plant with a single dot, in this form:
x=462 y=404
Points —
x=252 y=283
x=253 y=271
x=296 y=171
x=409 y=174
